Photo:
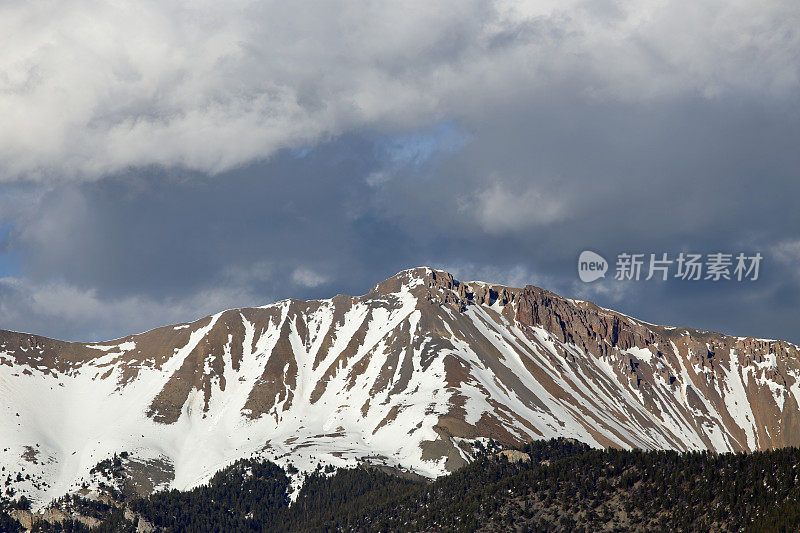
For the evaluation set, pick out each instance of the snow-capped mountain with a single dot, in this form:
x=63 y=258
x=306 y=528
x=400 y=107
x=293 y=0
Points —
x=409 y=375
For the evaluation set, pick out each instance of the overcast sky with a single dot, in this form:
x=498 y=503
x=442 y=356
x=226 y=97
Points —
x=163 y=160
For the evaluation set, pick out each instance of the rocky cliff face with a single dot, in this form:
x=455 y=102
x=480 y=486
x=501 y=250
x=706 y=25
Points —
x=410 y=375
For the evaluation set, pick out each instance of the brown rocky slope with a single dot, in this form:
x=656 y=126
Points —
x=408 y=375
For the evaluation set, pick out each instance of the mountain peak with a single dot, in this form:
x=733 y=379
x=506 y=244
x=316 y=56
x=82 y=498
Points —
x=412 y=278
x=412 y=375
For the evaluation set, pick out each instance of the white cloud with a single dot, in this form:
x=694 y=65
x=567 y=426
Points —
x=306 y=277
x=245 y=275
x=378 y=178
x=504 y=209
x=59 y=309
x=788 y=253
x=606 y=289
x=511 y=276
x=88 y=88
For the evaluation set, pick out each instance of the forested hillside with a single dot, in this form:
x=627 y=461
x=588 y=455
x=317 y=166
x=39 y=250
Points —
x=558 y=485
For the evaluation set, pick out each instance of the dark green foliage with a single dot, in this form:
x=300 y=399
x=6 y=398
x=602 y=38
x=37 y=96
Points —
x=566 y=486
x=23 y=504
x=247 y=496
x=251 y=496
x=8 y=524
x=85 y=506
x=784 y=517
x=347 y=500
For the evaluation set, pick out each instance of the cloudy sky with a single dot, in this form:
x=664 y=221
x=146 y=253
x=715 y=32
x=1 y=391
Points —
x=162 y=160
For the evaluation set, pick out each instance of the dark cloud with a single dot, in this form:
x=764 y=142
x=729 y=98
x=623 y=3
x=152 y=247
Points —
x=686 y=175
x=494 y=142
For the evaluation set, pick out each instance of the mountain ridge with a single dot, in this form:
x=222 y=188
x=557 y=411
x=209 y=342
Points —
x=577 y=301
x=443 y=363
